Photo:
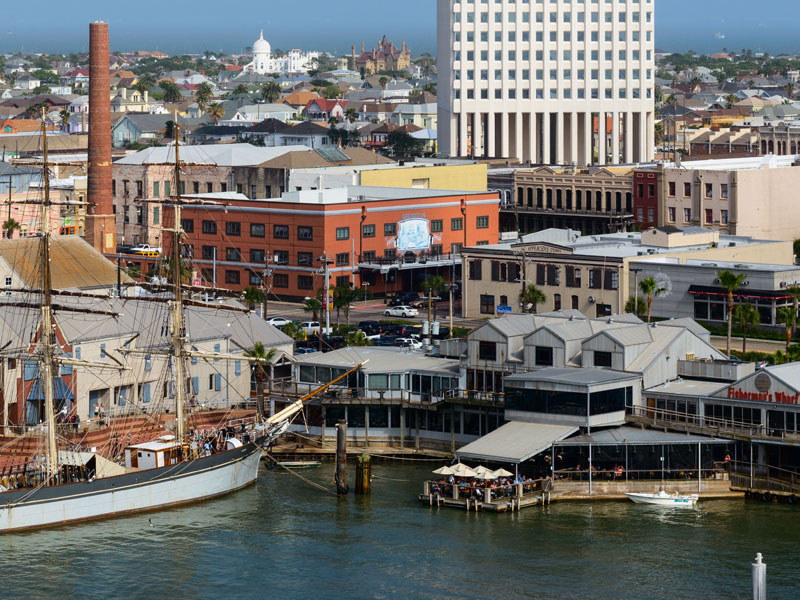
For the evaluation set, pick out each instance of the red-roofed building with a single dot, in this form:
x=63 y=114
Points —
x=321 y=109
x=235 y=68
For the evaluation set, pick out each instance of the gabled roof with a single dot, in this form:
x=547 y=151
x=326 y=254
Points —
x=270 y=126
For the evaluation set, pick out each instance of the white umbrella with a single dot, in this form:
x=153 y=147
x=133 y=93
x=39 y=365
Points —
x=466 y=473
x=487 y=476
x=445 y=471
x=502 y=473
x=480 y=470
x=460 y=467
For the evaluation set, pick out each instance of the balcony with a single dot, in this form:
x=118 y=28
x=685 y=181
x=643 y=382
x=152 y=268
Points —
x=408 y=261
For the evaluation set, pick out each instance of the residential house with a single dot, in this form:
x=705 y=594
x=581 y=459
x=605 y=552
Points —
x=421 y=115
x=323 y=110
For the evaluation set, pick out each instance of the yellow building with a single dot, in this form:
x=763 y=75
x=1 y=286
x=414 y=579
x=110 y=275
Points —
x=470 y=177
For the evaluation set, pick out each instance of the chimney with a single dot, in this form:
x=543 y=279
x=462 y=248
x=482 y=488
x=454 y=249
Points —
x=100 y=223
x=124 y=93
x=146 y=96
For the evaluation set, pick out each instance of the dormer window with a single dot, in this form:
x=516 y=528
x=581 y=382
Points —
x=602 y=359
x=543 y=356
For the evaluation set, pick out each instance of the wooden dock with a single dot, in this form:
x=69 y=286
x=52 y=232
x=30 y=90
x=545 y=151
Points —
x=523 y=495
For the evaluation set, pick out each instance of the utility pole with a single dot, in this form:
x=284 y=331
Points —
x=430 y=318
x=326 y=304
x=451 y=311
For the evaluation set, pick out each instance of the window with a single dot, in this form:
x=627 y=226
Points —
x=476 y=270
x=671 y=212
x=209 y=252
x=210 y=227
x=156 y=215
x=687 y=215
x=709 y=188
x=709 y=215
x=231 y=276
x=390 y=229
x=456 y=224
x=342 y=259
x=487 y=350
x=305 y=259
x=281 y=280
x=281 y=257
x=723 y=191
x=257 y=256
x=687 y=190
x=487 y=304
x=543 y=356
x=233 y=254
x=305 y=282
x=195 y=187
x=724 y=217
x=454 y=249
x=482 y=222
x=575 y=303
x=436 y=225
x=305 y=233
x=232 y=228
x=368 y=231
x=343 y=281
x=573 y=277
x=602 y=359
x=155 y=189
x=209 y=187
x=257 y=230
x=280 y=232
x=390 y=253
x=671 y=191
x=342 y=233
x=556 y=301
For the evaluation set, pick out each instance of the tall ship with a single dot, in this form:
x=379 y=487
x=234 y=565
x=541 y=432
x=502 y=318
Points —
x=161 y=463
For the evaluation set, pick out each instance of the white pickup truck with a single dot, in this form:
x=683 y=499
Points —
x=146 y=250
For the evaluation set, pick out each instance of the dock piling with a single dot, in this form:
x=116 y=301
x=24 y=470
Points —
x=341 y=458
x=363 y=474
x=759 y=570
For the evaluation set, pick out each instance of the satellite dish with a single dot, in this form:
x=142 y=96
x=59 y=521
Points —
x=664 y=283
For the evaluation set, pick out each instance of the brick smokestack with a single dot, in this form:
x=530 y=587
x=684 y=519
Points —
x=100 y=222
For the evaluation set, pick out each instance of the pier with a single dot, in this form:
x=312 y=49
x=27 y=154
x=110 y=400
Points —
x=501 y=499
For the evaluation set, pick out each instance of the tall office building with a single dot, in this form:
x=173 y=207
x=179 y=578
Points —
x=547 y=81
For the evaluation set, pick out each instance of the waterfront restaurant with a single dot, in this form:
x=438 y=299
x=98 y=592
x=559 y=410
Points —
x=398 y=396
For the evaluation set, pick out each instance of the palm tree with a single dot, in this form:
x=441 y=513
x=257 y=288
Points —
x=343 y=297
x=293 y=330
x=333 y=121
x=530 y=298
x=790 y=89
x=658 y=130
x=649 y=287
x=270 y=91
x=382 y=82
x=788 y=317
x=203 y=95
x=731 y=99
x=172 y=93
x=794 y=291
x=262 y=356
x=351 y=115
x=433 y=285
x=636 y=306
x=252 y=296
x=313 y=306
x=731 y=282
x=9 y=227
x=216 y=112
x=240 y=90
x=747 y=316
x=357 y=338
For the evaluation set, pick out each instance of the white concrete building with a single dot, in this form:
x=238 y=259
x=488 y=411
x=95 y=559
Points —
x=547 y=82
x=295 y=61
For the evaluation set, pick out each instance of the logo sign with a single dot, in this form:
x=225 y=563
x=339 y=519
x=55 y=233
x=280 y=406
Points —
x=413 y=234
x=763 y=382
x=504 y=310
x=196 y=282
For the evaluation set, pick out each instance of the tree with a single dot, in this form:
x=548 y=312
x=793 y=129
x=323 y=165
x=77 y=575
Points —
x=636 y=306
x=262 y=356
x=382 y=82
x=203 y=95
x=357 y=338
x=343 y=297
x=649 y=287
x=658 y=130
x=42 y=89
x=133 y=271
x=351 y=115
x=270 y=91
x=530 y=298
x=731 y=282
x=333 y=121
x=788 y=317
x=240 y=90
x=747 y=316
x=331 y=92
x=65 y=115
x=9 y=227
x=731 y=100
x=145 y=83
x=216 y=112
x=402 y=144
x=293 y=330
x=172 y=93
x=169 y=129
x=252 y=296
x=313 y=306
x=167 y=270
x=433 y=285
x=790 y=89
x=343 y=137
x=794 y=291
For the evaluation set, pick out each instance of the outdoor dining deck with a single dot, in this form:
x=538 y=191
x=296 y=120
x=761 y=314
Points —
x=497 y=498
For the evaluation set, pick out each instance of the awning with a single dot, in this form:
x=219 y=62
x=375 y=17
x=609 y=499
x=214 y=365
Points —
x=515 y=442
x=635 y=436
x=60 y=390
x=709 y=290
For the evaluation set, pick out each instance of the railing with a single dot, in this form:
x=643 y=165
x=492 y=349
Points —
x=764 y=478
x=617 y=475
x=408 y=259
x=487 y=493
x=703 y=424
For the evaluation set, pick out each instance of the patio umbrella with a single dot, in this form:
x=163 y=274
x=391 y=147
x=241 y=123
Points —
x=480 y=470
x=487 y=476
x=445 y=471
x=502 y=473
x=466 y=473
x=459 y=467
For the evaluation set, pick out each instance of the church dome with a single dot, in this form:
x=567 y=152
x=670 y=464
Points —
x=261 y=46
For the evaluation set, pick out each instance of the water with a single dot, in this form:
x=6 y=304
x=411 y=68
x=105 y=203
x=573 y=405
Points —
x=285 y=539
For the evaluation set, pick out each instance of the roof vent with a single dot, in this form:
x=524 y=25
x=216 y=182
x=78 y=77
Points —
x=610 y=321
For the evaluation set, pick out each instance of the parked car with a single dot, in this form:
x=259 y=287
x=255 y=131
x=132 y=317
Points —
x=409 y=343
x=370 y=327
x=401 y=311
x=146 y=250
x=312 y=327
x=404 y=298
x=304 y=350
x=386 y=340
x=278 y=321
x=124 y=249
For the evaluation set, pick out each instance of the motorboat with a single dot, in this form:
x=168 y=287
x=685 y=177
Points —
x=662 y=498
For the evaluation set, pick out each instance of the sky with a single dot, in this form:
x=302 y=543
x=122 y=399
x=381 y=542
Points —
x=192 y=27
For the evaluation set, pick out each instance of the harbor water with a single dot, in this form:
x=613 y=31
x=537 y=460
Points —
x=285 y=539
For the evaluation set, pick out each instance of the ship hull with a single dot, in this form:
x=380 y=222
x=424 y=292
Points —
x=140 y=491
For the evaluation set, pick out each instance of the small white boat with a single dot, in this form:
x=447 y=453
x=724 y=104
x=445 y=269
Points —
x=662 y=498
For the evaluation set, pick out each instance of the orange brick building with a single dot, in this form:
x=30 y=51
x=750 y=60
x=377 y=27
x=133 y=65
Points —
x=388 y=239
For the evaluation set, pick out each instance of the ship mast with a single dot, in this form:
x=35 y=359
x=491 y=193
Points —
x=177 y=306
x=45 y=334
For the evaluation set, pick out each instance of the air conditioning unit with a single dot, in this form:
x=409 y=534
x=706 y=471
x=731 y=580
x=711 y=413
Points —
x=591 y=300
